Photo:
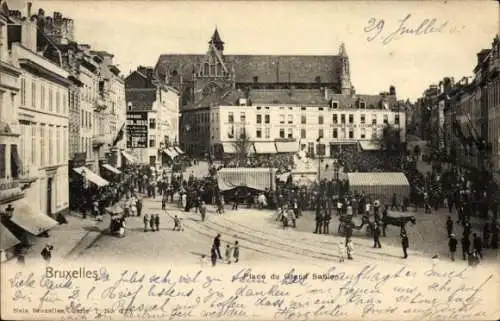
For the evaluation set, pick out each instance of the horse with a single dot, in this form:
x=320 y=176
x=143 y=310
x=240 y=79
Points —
x=400 y=221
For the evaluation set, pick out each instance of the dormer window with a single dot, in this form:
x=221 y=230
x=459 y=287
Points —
x=318 y=79
x=334 y=104
x=255 y=79
x=362 y=104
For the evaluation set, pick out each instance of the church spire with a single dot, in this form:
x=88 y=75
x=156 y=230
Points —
x=342 y=51
x=216 y=41
x=345 y=74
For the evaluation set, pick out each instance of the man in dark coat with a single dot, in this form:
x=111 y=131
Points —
x=138 y=204
x=405 y=244
x=319 y=218
x=376 y=236
x=452 y=246
x=465 y=246
x=449 y=225
x=216 y=245
x=478 y=245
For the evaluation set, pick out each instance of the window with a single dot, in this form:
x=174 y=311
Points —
x=342 y=133
x=362 y=104
x=82 y=118
x=258 y=133
x=267 y=132
x=335 y=119
x=42 y=96
x=374 y=119
x=282 y=118
x=255 y=79
x=396 y=119
x=3 y=165
x=374 y=133
x=351 y=118
x=230 y=117
x=50 y=100
x=58 y=148
x=290 y=119
x=267 y=119
x=335 y=104
x=243 y=133
x=42 y=145
x=23 y=92
x=302 y=133
x=33 y=145
x=386 y=119
x=33 y=94
x=152 y=123
x=51 y=145
x=242 y=117
x=259 y=119
x=342 y=118
x=282 y=133
x=320 y=120
x=335 y=133
x=152 y=142
x=321 y=132
x=303 y=119
x=351 y=133
x=363 y=133
x=290 y=133
x=362 y=119
x=58 y=102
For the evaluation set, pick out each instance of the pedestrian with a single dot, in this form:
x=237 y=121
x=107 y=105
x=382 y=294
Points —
x=235 y=201
x=405 y=244
x=279 y=215
x=177 y=224
x=152 y=223
x=394 y=202
x=326 y=223
x=285 y=218
x=213 y=255
x=203 y=211
x=376 y=236
x=342 y=250
x=236 y=252
x=291 y=216
x=449 y=226
x=319 y=219
x=228 y=254
x=465 y=246
x=350 y=248
x=47 y=253
x=477 y=243
x=217 y=245
x=164 y=201
x=146 y=222
x=452 y=246
x=157 y=221
x=139 y=206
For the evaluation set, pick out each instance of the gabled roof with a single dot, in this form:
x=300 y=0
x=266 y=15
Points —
x=141 y=99
x=260 y=68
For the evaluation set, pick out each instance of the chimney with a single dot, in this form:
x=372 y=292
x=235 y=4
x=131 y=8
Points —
x=29 y=9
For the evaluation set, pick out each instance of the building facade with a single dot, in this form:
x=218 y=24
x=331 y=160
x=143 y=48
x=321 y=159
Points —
x=202 y=80
x=304 y=116
x=152 y=117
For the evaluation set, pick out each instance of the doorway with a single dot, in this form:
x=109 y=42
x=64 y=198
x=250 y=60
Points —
x=49 y=195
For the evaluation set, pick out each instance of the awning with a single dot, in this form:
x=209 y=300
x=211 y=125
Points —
x=228 y=148
x=178 y=150
x=264 y=147
x=171 y=152
x=27 y=218
x=111 y=169
x=129 y=157
x=91 y=176
x=7 y=239
x=368 y=145
x=287 y=147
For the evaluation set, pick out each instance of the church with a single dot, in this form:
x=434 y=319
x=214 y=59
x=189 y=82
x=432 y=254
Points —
x=197 y=76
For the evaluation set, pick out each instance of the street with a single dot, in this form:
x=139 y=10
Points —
x=262 y=239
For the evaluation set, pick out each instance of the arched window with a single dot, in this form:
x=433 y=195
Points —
x=218 y=70
x=206 y=69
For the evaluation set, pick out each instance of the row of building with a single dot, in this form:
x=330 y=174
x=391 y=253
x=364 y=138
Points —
x=461 y=118
x=272 y=100
x=63 y=115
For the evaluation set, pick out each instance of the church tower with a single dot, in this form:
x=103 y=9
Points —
x=345 y=74
x=217 y=42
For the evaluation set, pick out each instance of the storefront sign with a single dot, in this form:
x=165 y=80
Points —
x=137 y=129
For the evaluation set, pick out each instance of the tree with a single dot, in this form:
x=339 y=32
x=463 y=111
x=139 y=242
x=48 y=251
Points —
x=390 y=141
x=242 y=146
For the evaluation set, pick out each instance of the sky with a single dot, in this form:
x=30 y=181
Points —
x=452 y=33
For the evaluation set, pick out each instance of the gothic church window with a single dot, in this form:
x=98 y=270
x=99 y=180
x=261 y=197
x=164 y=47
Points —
x=206 y=69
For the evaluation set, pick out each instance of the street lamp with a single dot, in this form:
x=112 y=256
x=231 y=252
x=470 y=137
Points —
x=320 y=151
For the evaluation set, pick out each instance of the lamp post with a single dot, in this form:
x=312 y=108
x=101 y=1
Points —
x=320 y=151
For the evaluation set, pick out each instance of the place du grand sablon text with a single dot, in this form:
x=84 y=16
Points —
x=341 y=292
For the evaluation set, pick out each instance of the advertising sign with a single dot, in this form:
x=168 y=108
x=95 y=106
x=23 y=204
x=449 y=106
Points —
x=137 y=129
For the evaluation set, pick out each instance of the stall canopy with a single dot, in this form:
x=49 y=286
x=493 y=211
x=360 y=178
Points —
x=171 y=152
x=228 y=148
x=178 y=150
x=264 y=147
x=33 y=222
x=7 y=239
x=381 y=185
x=91 y=176
x=129 y=157
x=367 y=145
x=256 y=178
x=111 y=169
x=287 y=147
